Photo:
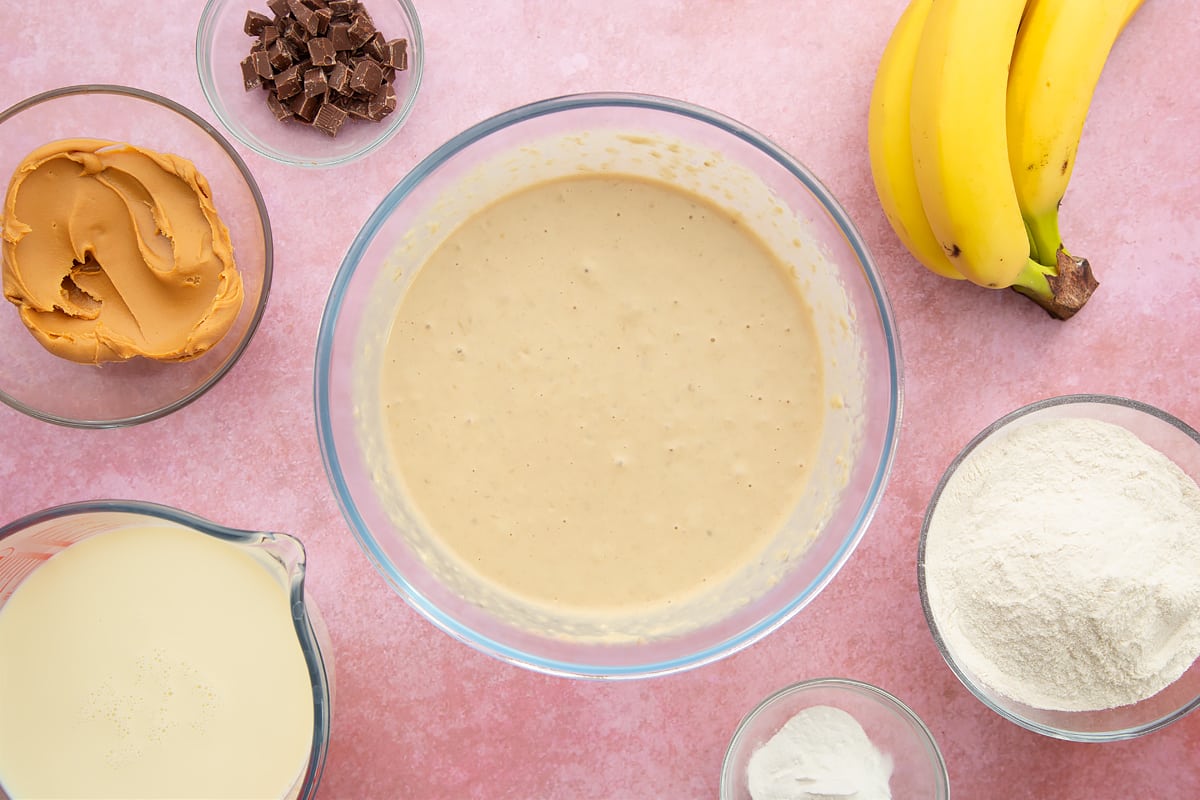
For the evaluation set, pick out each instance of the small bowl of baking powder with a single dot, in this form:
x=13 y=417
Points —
x=1059 y=567
x=832 y=737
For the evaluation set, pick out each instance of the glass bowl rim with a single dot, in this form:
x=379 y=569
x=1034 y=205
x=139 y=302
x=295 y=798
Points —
x=861 y=688
x=310 y=645
x=416 y=71
x=978 y=439
x=331 y=316
x=268 y=252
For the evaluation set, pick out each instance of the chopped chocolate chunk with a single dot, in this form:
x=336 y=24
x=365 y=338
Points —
x=294 y=31
x=305 y=107
x=359 y=109
x=315 y=82
x=339 y=34
x=288 y=83
x=279 y=7
x=361 y=29
x=279 y=55
x=321 y=51
x=305 y=16
x=329 y=118
x=250 y=76
x=339 y=78
x=255 y=22
x=382 y=102
x=261 y=61
x=341 y=8
x=366 y=77
x=268 y=36
x=373 y=47
x=280 y=111
x=323 y=17
x=395 y=53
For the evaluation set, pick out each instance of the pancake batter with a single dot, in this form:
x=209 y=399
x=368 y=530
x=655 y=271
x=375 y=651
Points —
x=603 y=392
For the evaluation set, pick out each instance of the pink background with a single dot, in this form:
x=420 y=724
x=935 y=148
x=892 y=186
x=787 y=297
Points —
x=419 y=715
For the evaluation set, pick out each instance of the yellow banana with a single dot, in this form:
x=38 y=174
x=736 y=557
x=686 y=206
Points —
x=959 y=140
x=1060 y=51
x=889 y=143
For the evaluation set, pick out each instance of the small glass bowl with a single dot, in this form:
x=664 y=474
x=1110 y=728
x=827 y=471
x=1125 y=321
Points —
x=45 y=386
x=1168 y=435
x=222 y=43
x=28 y=542
x=918 y=769
x=612 y=133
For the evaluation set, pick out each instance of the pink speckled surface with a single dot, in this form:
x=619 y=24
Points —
x=421 y=716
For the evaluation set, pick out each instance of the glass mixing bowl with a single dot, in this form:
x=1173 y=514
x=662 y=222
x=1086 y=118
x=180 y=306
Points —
x=704 y=152
x=1165 y=433
x=222 y=43
x=918 y=769
x=27 y=543
x=37 y=382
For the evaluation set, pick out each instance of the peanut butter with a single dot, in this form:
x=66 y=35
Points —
x=113 y=251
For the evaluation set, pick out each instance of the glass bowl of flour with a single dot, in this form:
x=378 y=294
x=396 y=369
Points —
x=832 y=737
x=1059 y=567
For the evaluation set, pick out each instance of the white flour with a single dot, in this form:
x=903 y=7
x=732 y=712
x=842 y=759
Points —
x=822 y=753
x=1063 y=566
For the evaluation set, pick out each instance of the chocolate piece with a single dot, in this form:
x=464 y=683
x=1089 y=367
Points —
x=366 y=77
x=339 y=78
x=395 y=54
x=288 y=83
x=261 y=61
x=329 y=119
x=341 y=8
x=268 y=36
x=279 y=55
x=323 y=17
x=305 y=107
x=305 y=16
x=315 y=83
x=361 y=29
x=294 y=31
x=255 y=22
x=339 y=34
x=321 y=51
x=278 y=7
x=250 y=76
x=280 y=111
x=374 y=47
x=382 y=102
x=359 y=109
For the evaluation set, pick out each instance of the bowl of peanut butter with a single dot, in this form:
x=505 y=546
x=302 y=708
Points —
x=608 y=386
x=136 y=251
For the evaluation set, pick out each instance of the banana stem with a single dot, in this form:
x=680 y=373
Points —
x=1044 y=238
x=1060 y=290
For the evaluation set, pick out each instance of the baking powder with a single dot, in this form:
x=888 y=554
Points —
x=1062 y=566
x=822 y=753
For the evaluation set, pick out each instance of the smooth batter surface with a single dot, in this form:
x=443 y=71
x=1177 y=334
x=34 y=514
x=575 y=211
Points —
x=153 y=662
x=603 y=392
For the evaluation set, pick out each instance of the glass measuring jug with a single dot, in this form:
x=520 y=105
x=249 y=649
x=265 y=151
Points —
x=30 y=542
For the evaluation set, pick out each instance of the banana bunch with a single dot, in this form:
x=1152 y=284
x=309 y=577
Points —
x=975 y=119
